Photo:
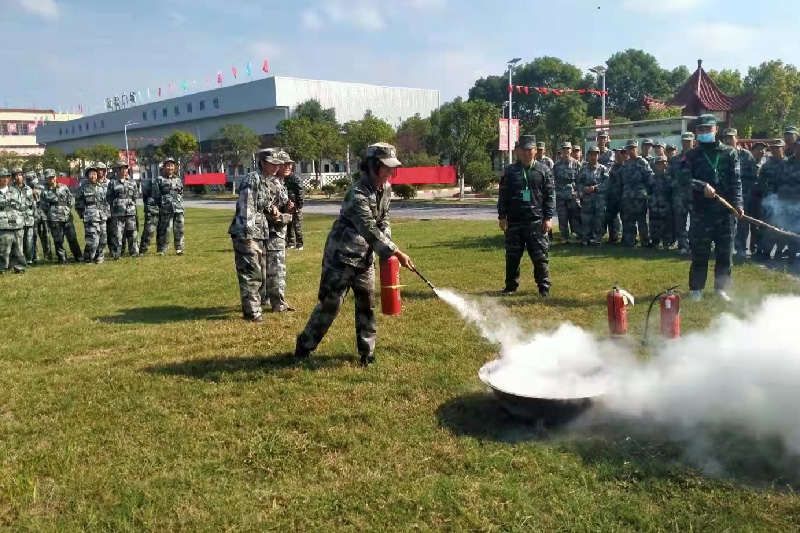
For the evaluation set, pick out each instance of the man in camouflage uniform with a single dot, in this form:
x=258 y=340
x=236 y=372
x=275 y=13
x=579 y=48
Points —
x=297 y=193
x=647 y=147
x=662 y=221
x=606 y=154
x=576 y=155
x=637 y=175
x=12 y=224
x=752 y=205
x=749 y=175
x=122 y=194
x=28 y=215
x=249 y=231
x=541 y=157
x=790 y=139
x=362 y=230
x=789 y=200
x=40 y=221
x=670 y=151
x=659 y=149
x=90 y=203
x=151 y=213
x=56 y=203
x=592 y=183
x=614 y=196
x=568 y=206
x=525 y=209
x=278 y=218
x=681 y=182
x=167 y=193
x=714 y=168
x=770 y=176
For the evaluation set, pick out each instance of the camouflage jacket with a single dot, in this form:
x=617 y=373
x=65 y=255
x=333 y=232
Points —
x=651 y=160
x=726 y=179
x=250 y=220
x=56 y=203
x=121 y=197
x=150 y=205
x=770 y=175
x=679 y=177
x=565 y=174
x=590 y=177
x=749 y=171
x=12 y=207
x=789 y=185
x=90 y=202
x=363 y=226
x=297 y=193
x=614 y=187
x=546 y=160
x=636 y=178
x=104 y=205
x=167 y=194
x=511 y=203
x=28 y=205
x=660 y=193
x=606 y=158
x=278 y=224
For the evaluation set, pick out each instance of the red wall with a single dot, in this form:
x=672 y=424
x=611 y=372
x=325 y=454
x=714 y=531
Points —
x=424 y=175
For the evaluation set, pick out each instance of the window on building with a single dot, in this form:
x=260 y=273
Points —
x=216 y=103
x=177 y=110
x=144 y=115
x=155 y=114
x=103 y=124
x=95 y=124
x=189 y=107
x=79 y=128
x=202 y=105
x=59 y=131
x=87 y=126
x=164 y=112
x=73 y=129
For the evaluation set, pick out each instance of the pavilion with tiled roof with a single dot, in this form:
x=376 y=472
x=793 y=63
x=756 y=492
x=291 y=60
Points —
x=700 y=95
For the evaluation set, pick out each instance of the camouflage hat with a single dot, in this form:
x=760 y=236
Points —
x=662 y=144
x=730 y=132
x=526 y=142
x=759 y=144
x=541 y=145
x=30 y=175
x=121 y=163
x=386 y=153
x=647 y=141
x=169 y=159
x=576 y=148
x=16 y=170
x=566 y=145
x=49 y=173
x=707 y=120
x=672 y=147
x=661 y=159
x=270 y=155
x=4 y=172
x=790 y=130
x=777 y=143
x=688 y=136
x=593 y=150
x=90 y=167
x=100 y=166
x=632 y=143
x=602 y=134
x=285 y=157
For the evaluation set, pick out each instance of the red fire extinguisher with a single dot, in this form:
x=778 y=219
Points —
x=618 y=299
x=670 y=304
x=390 y=286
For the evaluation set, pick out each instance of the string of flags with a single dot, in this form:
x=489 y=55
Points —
x=557 y=92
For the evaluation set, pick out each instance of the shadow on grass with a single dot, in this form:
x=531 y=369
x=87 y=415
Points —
x=244 y=368
x=164 y=314
x=634 y=450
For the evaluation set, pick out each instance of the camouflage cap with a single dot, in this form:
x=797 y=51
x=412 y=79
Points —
x=576 y=148
x=672 y=147
x=30 y=175
x=760 y=145
x=169 y=159
x=90 y=167
x=386 y=153
x=16 y=170
x=661 y=159
x=270 y=155
x=49 y=173
x=730 y=132
x=541 y=145
x=688 y=136
x=777 y=143
x=602 y=134
x=285 y=157
x=790 y=130
x=707 y=120
x=593 y=150
x=100 y=166
x=632 y=143
x=4 y=172
x=566 y=145
x=121 y=163
x=662 y=144
x=526 y=142
x=647 y=141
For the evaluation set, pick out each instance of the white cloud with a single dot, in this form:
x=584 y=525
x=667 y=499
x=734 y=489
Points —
x=663 y=6
x=366 y=15
x=44 y=8
x=265 y=50
x=311 y=20
x=718 y=37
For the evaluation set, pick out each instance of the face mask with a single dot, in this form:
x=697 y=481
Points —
x=706 y=137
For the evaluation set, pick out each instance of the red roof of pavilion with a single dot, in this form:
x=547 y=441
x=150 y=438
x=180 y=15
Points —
x=701 y=88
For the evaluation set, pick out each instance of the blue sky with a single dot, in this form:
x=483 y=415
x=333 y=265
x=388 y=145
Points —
x=60 y=53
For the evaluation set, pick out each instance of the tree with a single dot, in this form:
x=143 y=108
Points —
x=233 y=142
x=10 y=159
x=56 y=159
x=420 y=159
x=478 y=174
x=463 y=130
x=102 y=153
x=677 y=78
x=729 y=81
x=632 y=75
x=310 y=141
x=564 y=118
x=361 y=133
x=414 y=136
x=776 y=102
x=179 y=145
x=313 y=111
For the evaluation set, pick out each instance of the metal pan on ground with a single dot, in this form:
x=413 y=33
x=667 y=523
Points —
x=546 y=408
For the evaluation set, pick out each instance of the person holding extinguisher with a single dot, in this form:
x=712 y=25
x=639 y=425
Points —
x=361 y=230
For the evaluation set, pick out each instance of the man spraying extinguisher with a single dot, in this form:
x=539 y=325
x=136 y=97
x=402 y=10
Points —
x=361 y=230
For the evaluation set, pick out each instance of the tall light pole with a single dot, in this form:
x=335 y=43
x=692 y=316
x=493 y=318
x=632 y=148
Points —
x=505 y=105
x=511 y=64
x=125 y=129
x=600 y=70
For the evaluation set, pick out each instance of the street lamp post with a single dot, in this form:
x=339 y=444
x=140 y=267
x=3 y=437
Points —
x=125 y=129
x=511 y=64
x=600 y=70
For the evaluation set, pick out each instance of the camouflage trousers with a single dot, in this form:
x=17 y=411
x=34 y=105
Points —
x=294 y=233
x=680 y=212
x=176 y=222
x=715 y=227
x=337 y=279
x=61 y=231
x=110 y=237
x=124 y=235
x=532 y=237
x=613 y=221
x=29 y=244
x=94 y=234
x=251 y=271
x=150 y=227
x=569 y=217
x=11 y=250
x=593 y=218
x=276 y=279
x=634 y=213
x=662 y=225
x=44 y=238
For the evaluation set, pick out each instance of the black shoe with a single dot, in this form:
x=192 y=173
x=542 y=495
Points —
x=300 y=353
x=544 y=293
x=367 y=360
x=508 y=292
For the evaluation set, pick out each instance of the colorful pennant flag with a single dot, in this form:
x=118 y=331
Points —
x=219 y=77
x=265 y=67
x=148 y=94
x=249 y=69
x=169 y=89
x=233 y=70
x=184 y=85
x=557 y=92
x=159 y=92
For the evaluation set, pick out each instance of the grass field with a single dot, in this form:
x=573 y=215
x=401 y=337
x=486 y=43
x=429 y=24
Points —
x=134 y=398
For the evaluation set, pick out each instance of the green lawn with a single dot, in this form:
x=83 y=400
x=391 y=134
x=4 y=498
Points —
x=134 y=398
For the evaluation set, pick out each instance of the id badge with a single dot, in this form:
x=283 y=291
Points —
x=526 y=196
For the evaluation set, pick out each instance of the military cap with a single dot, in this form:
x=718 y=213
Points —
x=49 y=173
x=616 y=150
x=285 y=157
x=16 y=170
x=777 y=143
x=688 y=136
x=672 y=147
x=576 y=148
x=759 y=144
x=90 y=167
x=270 y=155
x=4 y=172
x=169 y=159
x=660 y=143
x=647 y=141
x=707 y=120
x=100 y=166
x=541 y=145
x=790 y=130
x=566 y=145
x=602 y=134
x=121 y=163
x=29 y=175
x=661 y=159
x=527 y=142
x=594 y=150
x=632 y=142
x=385 y=153
x=730 y=132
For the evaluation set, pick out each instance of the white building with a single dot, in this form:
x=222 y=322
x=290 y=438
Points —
x=18 y=129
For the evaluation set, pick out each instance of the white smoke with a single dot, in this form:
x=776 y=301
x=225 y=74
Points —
x=742 y=373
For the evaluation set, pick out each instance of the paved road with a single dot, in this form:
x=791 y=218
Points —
x=418 y=210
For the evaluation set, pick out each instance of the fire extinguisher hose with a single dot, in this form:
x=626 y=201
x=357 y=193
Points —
x=649 y=309
x=423 y=279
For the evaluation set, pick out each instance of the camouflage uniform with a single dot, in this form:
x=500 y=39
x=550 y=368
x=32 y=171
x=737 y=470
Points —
x=681 y=183
x=121 y=197
x=151 y=213
x=12 y=228
x=29 y=221
x=593 y=222
x=770 y=176
x=788 y=204
x=90 y=203
x=650 y=158
x=636 y=178
x=718 y=165
x=40 y=222
x=662 y=222
x=249 y=232
x=606 y=158
x=749 y=174
x=297 y=193
x=348 y=261
x=167 y=193
x=568 y=206
x=276 y=245
x=56 y=203
x=614 y=202
x=545 y=161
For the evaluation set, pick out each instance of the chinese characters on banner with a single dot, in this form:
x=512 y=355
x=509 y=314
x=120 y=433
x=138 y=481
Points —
x=11 y=127
x=600 y=123
x=131 y=158
x=503 y=123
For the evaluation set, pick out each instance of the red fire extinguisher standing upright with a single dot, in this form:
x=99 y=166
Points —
x=671 y=314
x=618 y=299
x=390 y=286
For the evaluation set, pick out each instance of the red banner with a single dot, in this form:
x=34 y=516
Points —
x=66 y=180
x=424 y=175
x=557 y=92
x=503 y=128
x=211 y=178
